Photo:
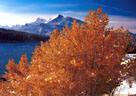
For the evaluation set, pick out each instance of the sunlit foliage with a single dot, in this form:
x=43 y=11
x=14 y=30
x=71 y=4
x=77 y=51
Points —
x=84 y=60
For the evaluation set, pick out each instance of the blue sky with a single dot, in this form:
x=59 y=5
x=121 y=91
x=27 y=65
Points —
x=24 y=11
x=112 y=7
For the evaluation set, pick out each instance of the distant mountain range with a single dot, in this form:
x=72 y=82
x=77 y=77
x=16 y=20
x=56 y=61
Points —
x=44 y=27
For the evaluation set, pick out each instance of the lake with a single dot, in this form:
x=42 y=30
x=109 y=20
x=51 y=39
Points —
x=15 y=51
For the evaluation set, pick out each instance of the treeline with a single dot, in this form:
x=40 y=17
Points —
x=11 y=36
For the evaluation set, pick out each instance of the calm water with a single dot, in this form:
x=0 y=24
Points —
x=14 y=50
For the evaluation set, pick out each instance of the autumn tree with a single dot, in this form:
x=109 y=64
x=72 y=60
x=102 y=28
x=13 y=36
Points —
x=84 y=60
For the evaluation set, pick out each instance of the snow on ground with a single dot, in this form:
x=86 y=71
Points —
x=129 y=56
x=124 y=89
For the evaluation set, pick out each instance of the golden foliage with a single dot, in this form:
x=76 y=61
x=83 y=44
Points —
x=82 y=61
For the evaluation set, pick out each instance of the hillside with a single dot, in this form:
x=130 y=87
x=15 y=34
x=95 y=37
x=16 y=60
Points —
x=11 y=36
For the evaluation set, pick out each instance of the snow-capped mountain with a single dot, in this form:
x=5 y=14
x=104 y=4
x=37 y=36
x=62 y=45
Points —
x=39 y=20
x=44 y=27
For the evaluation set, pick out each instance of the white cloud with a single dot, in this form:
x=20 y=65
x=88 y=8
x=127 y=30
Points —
x=76 y=14
x=13 y=19
x=127 y=22
x=114 y=20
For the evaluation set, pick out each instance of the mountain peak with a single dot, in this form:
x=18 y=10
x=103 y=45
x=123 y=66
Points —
x=40 y=20
x=43 y=26
x=60 y=16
